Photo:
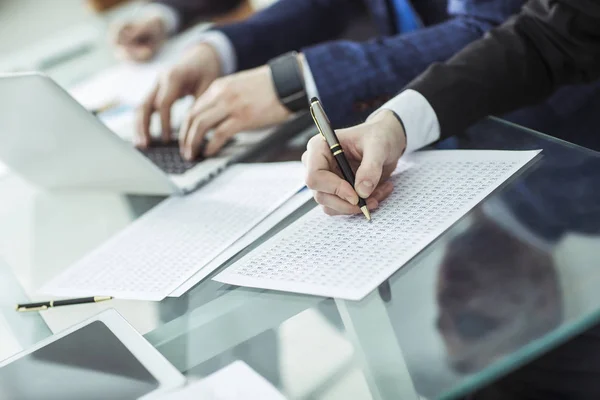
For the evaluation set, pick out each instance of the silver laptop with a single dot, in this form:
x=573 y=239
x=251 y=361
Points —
x=52 y=141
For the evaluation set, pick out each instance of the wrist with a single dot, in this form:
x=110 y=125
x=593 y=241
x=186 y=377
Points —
x=389 y=122
x=204 y=56
x=288 y=80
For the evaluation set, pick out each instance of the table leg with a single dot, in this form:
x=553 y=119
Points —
x=224 y=323
x=369 y=329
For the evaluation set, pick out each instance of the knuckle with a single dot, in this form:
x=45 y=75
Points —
x=187 y=121
x=171 y=75
x=220 y=85
x=220 y=135
x=303 y=158
x=338 y=188
x=329 y=211
x=158 y=103
x=320 y=197
x=245 y=112
x=315 y=143
x=311 y=181
x=199 y=124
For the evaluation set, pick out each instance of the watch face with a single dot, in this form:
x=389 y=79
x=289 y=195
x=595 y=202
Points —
x=289 y=82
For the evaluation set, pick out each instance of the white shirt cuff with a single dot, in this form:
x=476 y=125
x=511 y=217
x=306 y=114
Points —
x=168 y=15
x=224 y=48
x=309 y=81
x=420 y=121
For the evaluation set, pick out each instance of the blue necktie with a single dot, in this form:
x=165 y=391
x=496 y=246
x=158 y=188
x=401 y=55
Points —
x=406 y=17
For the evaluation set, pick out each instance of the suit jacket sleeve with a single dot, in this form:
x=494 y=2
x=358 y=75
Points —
x=288 y=25
x=353 y=79
x=192 y=10
x=549 y=44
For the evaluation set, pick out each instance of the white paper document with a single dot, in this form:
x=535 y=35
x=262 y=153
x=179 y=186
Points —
x=170 y=243
x=263 y=227
x=123 y=88
x=130 y=82
x=237 y=381
x=125 y=83
x=348 y=257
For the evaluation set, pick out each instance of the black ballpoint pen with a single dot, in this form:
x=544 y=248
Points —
x=44 y=305
x=324 y=126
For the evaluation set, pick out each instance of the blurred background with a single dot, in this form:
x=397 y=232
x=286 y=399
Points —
x=45 y=34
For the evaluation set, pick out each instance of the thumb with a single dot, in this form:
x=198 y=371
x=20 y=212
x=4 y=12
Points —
x=370 y=169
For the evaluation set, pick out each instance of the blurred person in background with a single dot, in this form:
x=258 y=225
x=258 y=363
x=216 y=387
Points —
x=140 y=38
x=503 y=283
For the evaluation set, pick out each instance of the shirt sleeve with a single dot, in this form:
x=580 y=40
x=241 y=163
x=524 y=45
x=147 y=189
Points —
x=420 y=122
x=309 y=81
x=521 y=63
x=167 y=14
x=224 y=48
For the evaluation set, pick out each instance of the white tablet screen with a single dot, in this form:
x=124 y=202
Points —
x=90 y=363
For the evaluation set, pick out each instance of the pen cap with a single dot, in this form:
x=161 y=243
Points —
x=322 y=122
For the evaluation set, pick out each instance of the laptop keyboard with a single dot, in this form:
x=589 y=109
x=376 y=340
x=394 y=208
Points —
x=167 y=157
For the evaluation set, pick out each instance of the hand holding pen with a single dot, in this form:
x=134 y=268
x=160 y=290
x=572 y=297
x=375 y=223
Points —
x=374 y=147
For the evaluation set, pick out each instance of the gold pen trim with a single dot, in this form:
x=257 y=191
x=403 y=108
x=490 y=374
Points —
x=338 y=152
x=334 y=146
x=366 y=212
x=98 y=299
x=25 y=309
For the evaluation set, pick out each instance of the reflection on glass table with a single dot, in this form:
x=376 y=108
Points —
x=511 y=280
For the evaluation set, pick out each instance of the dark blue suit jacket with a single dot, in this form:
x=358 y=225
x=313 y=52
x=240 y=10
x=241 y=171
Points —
x=353 y=79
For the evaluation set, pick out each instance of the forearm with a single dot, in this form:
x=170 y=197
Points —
x=353 y=79
x=288 y=25
x=548 y=45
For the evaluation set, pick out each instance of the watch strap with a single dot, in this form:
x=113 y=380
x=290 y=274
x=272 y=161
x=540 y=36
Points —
x=289 y=82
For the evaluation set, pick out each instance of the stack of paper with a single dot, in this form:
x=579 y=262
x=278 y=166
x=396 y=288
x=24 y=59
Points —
x=123 y=87
x=171 y=243
x=347 y=257
x=237 y=381
x=298 y=200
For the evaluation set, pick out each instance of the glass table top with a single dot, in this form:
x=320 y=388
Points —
x=508 y=282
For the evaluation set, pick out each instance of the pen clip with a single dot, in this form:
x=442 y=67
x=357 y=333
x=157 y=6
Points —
x=25 y=309
x=312 y=113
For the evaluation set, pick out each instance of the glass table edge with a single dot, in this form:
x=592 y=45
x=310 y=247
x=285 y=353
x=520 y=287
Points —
x=526 y=354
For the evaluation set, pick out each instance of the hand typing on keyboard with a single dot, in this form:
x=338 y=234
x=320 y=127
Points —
x=225 y=106
x=191 y=76
x=243 y=101
x=168 y=158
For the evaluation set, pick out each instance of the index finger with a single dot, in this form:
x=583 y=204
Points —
x=166 y=97
x=144 y=118
x=319 y=176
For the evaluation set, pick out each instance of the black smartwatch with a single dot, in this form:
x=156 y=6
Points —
x=289 y=82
